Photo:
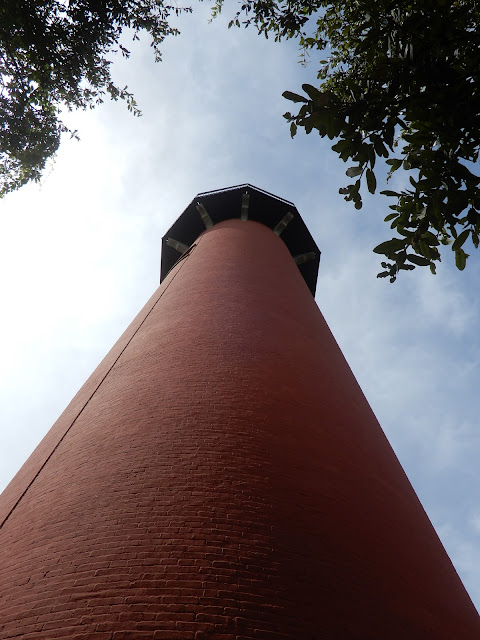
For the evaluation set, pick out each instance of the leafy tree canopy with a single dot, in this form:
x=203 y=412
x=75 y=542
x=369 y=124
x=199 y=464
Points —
x=53 y=56
x=400 y=81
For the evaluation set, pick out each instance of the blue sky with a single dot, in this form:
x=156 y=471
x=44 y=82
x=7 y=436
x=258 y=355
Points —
x=80 y=255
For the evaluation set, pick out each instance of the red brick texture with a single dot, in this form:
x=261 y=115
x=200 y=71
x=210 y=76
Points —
x=222 y=477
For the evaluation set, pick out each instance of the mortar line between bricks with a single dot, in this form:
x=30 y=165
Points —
x=181 y=258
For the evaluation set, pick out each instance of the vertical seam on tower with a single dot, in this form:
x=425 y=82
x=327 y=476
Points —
x=98 y=385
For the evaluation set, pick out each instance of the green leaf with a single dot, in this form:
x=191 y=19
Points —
x=426 y=249
x=311 y=91
x=395 y=163
x=460 y=259
x=380 y=148
x=293 y=129
x=371 y=181
x=390 y=193
x=294 y=97
x=341 y=145
x=353 y=171
x=320 y=98
x=431 y=239
x=460 y=240
x=418 y=260
x=390 y=246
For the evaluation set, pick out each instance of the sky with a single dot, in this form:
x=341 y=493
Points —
x=80 y=255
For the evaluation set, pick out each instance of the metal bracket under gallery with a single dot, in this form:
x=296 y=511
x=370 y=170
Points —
x=246 y=203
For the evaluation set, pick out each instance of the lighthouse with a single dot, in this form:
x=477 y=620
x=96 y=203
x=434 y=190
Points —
x=220 y=476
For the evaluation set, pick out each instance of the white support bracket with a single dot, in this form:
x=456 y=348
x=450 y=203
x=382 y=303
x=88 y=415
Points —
x=245 y=201
x=304 y=257
x=179 y=246
x=207 y=221
x=279 y=228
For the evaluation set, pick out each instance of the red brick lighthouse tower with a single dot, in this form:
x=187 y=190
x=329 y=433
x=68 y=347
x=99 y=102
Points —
x=221 y=476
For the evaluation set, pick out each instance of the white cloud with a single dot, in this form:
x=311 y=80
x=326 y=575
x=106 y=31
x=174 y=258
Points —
x=475 y=522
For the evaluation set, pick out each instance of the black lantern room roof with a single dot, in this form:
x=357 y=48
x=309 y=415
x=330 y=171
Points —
x=247 y=203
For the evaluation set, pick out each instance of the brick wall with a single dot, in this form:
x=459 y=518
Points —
x=222 y=477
